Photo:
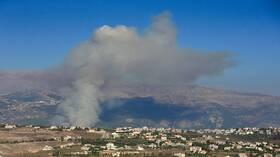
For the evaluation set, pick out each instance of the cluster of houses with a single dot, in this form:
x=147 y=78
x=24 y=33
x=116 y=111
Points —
x=194 y=141
x=184 y=142
x=240 y=131
x=205 y=140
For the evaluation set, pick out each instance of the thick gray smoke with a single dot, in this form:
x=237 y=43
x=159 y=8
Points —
x=113 y=57
x=122 y=55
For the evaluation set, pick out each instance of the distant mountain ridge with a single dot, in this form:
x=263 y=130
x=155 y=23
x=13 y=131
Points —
x=182 y=106
x=194 y=94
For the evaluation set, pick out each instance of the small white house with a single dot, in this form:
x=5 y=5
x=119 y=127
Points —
x=47 y=148
x=7 y=126
x=110 y=146
x=140 y=148
x=53 y=127
x=179 y=154
x=115 y=135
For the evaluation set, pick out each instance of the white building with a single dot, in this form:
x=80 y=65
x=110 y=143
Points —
x=47 y=148
x=179 y=154
x=195 y=149
x=115 y=135
x=7 y=126
x=110 y=146
x=53 y=127
x=140 y=148
x=213 y=147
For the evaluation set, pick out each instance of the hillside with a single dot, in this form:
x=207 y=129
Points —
x=188 y=106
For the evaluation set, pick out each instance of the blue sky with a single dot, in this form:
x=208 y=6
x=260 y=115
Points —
x=38 y=34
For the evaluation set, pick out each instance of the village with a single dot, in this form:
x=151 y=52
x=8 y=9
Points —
x=127 y=141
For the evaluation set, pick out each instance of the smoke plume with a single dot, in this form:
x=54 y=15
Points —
x=116 y=56
x=122 y=55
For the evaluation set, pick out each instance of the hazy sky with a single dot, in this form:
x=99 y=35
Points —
x=38 y=34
